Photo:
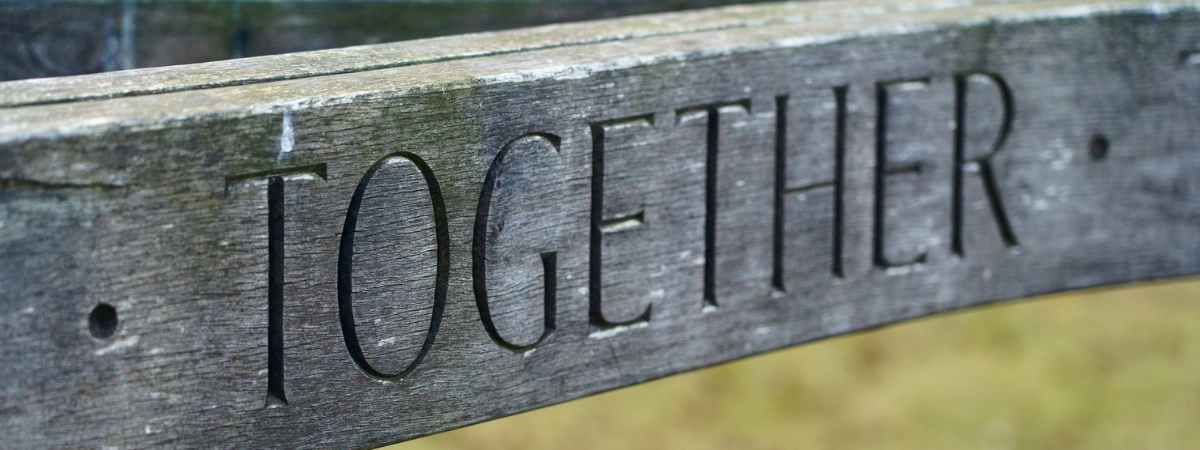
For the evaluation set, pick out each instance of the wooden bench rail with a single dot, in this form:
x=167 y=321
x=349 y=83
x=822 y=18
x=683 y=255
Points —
x=349 y=248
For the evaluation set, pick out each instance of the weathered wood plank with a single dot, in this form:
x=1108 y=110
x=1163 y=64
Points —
x=352 y=259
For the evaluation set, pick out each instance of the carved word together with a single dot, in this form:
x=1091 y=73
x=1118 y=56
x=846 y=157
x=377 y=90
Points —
x=524 y=164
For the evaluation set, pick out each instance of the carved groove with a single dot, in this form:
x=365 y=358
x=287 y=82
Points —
x=276 y=268
x=781 y=104
x=882 y=170
x=234 y=180
x=711 y=144
x=595 y=257
x=839 y=179
x=986 y=173
x=275 y=280
x=39 y=184
x=837 y=182
x=549 y=294
x=346 y=266
x=479 y=255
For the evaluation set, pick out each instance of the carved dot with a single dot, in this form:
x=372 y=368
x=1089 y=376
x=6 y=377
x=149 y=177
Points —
x=103 y=321
x=1098 y=148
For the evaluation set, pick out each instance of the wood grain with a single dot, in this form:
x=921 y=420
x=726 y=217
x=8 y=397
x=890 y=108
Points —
x=315 y=255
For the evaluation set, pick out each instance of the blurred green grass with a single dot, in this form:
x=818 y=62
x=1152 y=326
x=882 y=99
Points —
x=1115 y=368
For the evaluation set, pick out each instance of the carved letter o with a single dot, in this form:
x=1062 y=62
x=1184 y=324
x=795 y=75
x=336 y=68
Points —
x=346 y=265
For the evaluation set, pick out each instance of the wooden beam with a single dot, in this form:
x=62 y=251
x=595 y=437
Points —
x=316 y=250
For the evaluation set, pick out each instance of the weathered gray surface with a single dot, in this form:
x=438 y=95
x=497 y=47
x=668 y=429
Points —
x=40 y=38
x=698 y=197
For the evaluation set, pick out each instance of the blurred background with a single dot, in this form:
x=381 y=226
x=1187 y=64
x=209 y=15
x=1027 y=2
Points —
x=1115 y=368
